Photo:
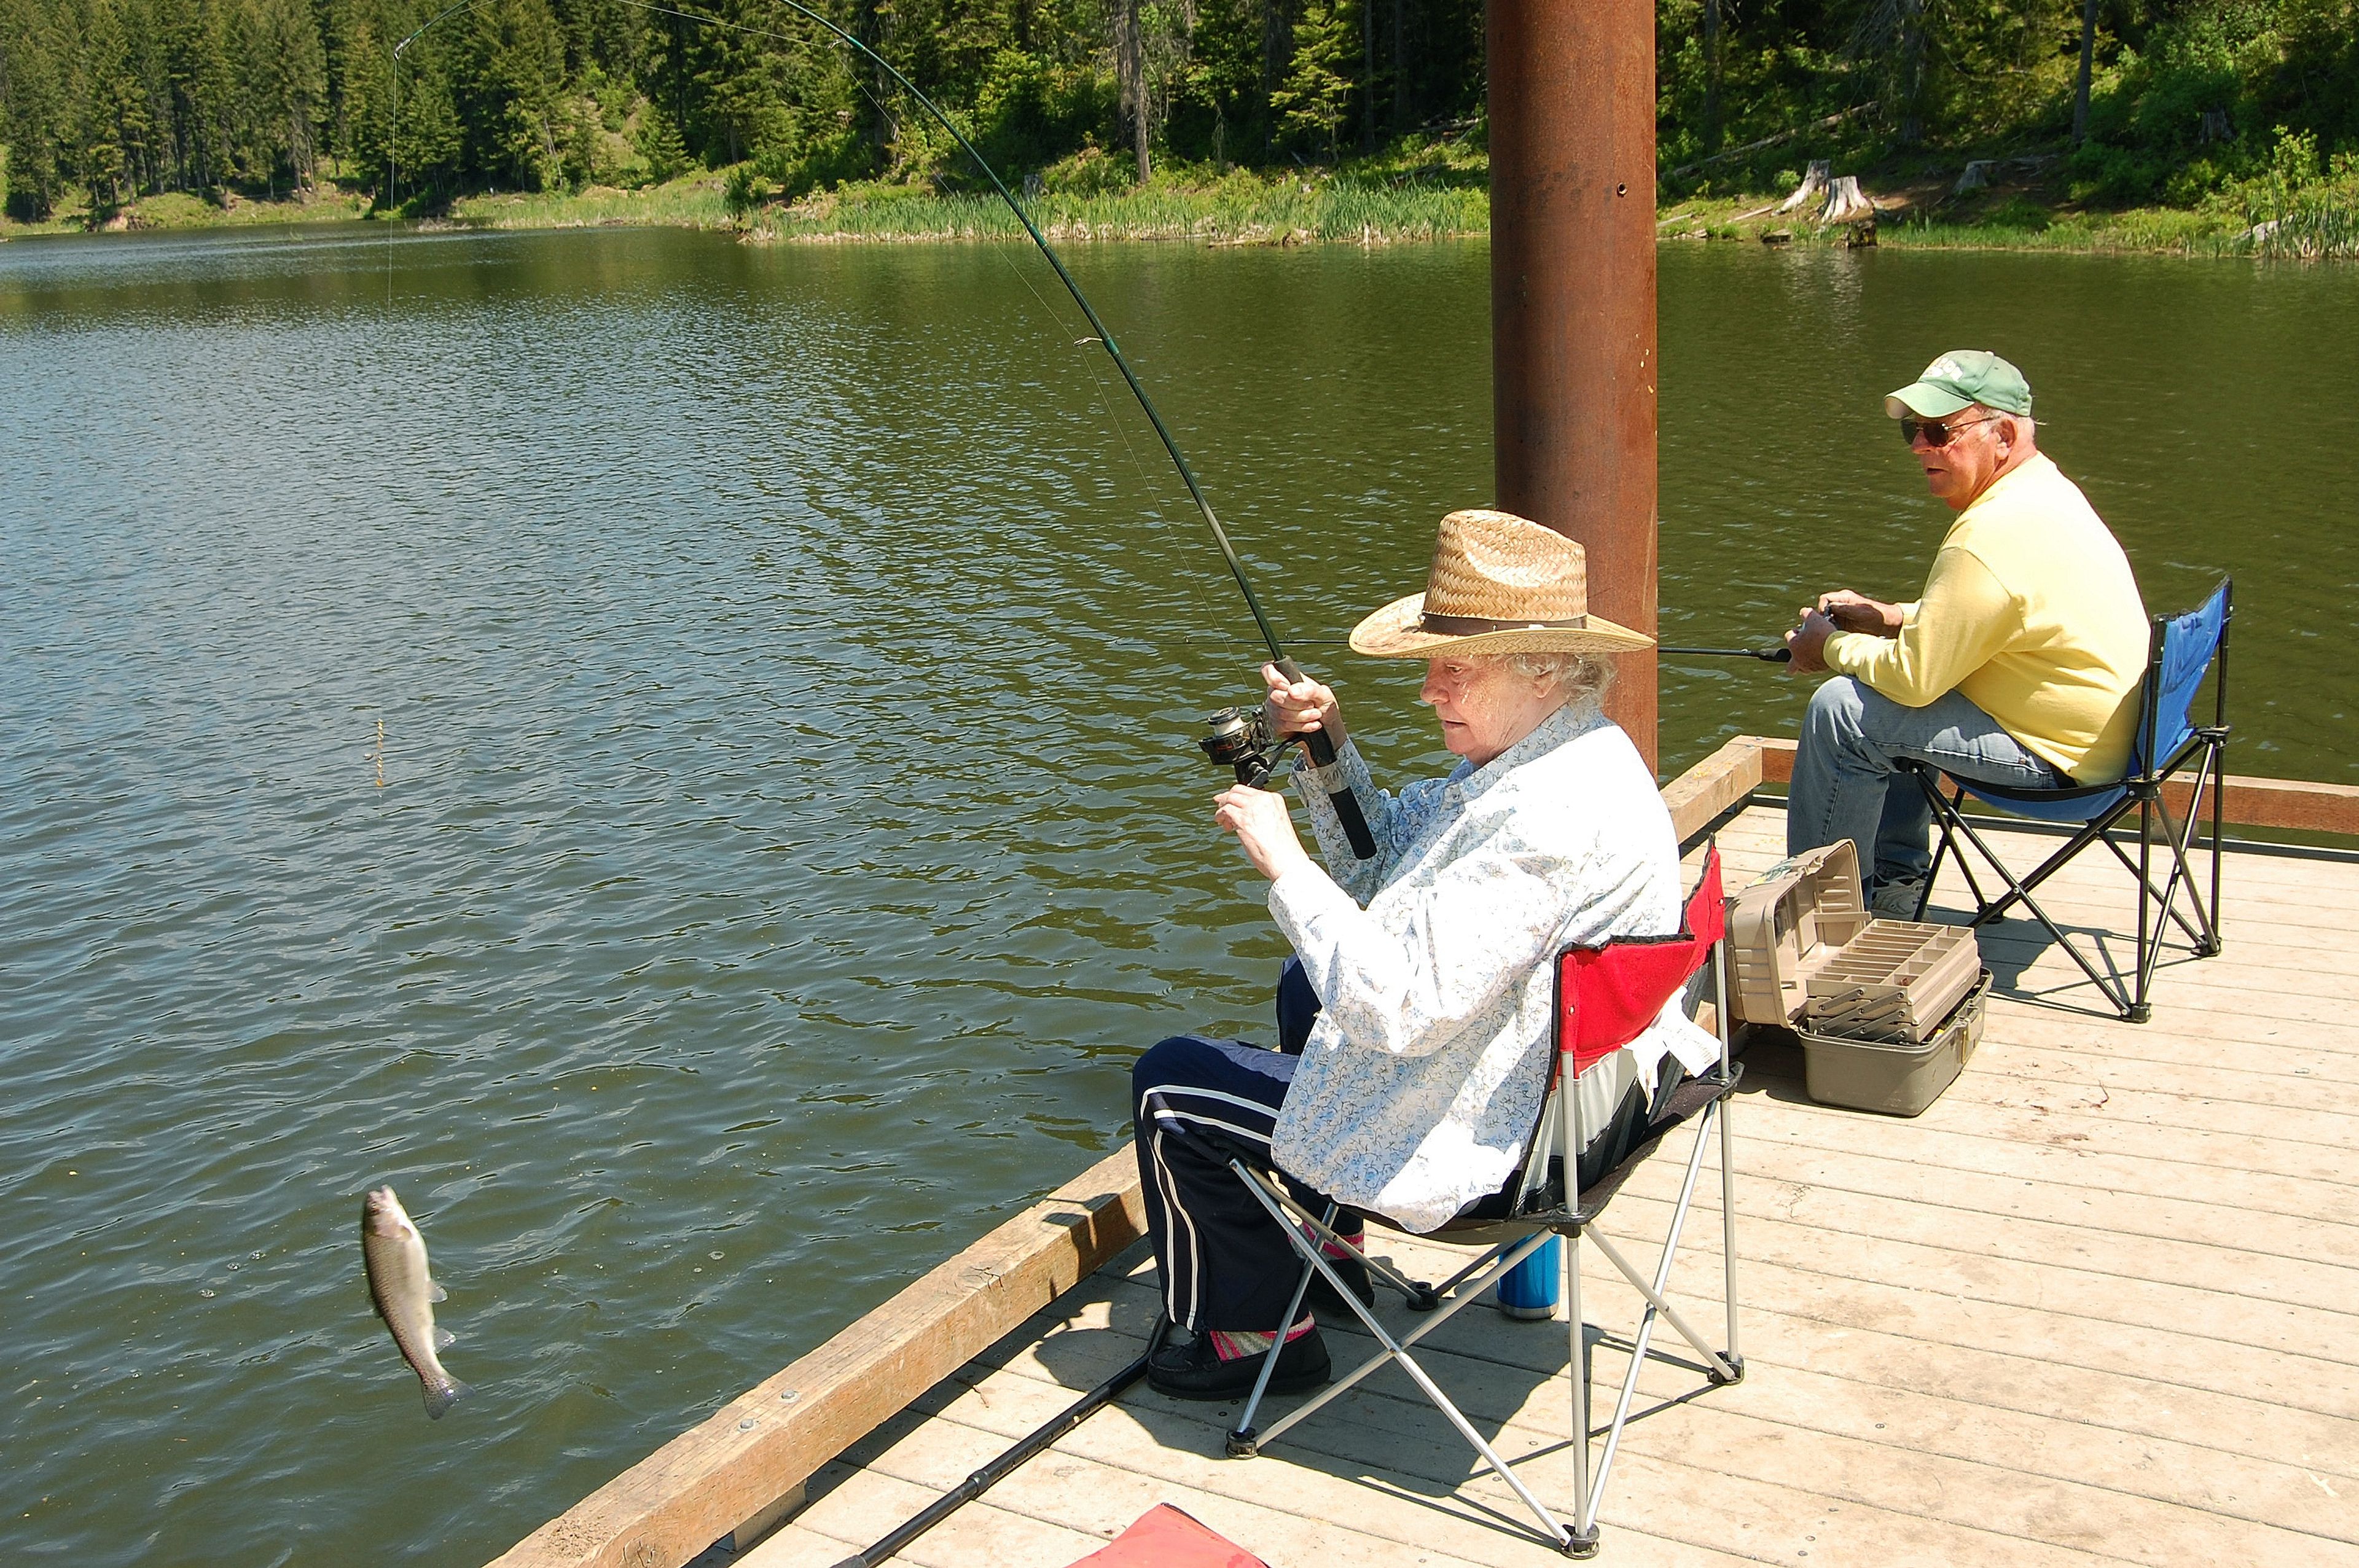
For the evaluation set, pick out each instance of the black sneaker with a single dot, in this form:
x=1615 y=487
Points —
x=1323 y=1301
x=1195 y=1370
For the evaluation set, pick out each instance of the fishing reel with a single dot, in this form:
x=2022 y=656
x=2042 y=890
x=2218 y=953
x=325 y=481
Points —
x=1239 y=739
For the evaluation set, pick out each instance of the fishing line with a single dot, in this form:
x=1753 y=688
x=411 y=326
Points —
x=1098 y=328
x=1323 y=748
x=1059 y=330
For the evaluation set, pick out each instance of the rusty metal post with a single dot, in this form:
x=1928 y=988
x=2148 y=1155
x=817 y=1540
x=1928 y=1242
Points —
x=1572 y=298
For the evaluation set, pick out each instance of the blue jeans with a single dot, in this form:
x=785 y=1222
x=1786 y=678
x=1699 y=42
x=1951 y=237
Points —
x=1847 y=784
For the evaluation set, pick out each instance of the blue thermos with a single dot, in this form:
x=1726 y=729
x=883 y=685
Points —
x=1529 y=1288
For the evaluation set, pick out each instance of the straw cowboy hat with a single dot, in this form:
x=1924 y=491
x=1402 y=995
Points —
x=1500 y=584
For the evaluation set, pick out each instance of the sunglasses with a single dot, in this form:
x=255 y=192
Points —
x=1938 y=432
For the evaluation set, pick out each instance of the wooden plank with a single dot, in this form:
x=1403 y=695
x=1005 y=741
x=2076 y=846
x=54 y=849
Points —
x=1711 y=786
x=2013 y=1378
x=2299 y=805
x=2267 y=1247
x=2029 y=1148
x=703 y=1483
x=1393 y=1467
x=1777 y=757
x=2281 y=803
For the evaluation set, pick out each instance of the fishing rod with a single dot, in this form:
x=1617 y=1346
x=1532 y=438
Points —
x=1780 y=655
x=982 y=1480
x=1323 y=748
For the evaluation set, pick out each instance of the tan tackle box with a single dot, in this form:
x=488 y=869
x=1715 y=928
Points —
x=1887 y=1011
x=1897 y=1077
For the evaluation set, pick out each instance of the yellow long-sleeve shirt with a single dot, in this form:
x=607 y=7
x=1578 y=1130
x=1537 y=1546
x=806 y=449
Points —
x=2032 y=613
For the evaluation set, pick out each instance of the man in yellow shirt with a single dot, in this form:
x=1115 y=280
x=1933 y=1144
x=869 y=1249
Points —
x=2019 y=666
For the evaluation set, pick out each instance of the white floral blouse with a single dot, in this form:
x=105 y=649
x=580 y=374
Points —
x=1428 y=1060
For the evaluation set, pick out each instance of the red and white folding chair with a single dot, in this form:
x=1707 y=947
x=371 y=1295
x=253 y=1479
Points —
x=1606 y=997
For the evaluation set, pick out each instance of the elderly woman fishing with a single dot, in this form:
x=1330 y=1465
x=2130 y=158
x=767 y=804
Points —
x=1414 y=1019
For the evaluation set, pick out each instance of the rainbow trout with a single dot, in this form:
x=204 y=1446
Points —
x=404 y=1295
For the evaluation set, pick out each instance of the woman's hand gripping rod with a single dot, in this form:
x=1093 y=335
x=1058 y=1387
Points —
x=1244 y=740
x=1323 y=753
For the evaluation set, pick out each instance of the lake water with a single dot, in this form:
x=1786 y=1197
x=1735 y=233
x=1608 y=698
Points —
x=788 y=660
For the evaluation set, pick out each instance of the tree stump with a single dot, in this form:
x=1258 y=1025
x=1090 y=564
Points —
x=1814 y=184
x=1845 y=201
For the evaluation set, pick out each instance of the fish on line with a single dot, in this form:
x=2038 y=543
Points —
x=404 y=1293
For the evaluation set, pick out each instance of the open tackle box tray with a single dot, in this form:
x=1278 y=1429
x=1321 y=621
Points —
x=1887 y=1011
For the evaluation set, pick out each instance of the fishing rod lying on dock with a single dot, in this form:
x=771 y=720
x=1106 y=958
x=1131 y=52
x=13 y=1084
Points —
x=982 y=1480
x=1322 y=748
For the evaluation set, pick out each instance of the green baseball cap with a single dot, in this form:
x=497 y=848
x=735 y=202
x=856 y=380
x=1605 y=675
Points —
x=1960 y=378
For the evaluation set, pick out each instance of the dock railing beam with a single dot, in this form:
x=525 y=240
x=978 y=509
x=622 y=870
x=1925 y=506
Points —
x=1572 y=299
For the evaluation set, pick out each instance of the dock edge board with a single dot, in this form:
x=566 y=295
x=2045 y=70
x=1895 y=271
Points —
x=2301 y=806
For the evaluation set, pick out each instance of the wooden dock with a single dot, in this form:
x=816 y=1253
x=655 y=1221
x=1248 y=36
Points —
x=2101 y=1303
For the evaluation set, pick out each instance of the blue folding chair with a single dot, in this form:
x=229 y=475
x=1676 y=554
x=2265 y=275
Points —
x=2167 y=744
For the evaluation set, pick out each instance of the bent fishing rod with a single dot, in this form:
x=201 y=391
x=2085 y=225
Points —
x=1321 y=746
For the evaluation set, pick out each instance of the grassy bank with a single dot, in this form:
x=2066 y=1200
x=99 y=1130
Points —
x=1432 y=196
x=180 y=209
x=2291 y=208
x=695 y=202
x=1238 y=208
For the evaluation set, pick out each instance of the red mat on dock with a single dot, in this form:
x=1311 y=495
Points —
x=1165 y=1538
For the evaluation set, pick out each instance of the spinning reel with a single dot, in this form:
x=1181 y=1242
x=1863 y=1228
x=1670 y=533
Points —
x=1239 y=738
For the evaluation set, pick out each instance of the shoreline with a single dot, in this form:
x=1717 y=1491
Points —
x=1239 y=209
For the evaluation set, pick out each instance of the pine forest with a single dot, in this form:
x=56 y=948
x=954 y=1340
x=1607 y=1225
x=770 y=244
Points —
x=104 y=102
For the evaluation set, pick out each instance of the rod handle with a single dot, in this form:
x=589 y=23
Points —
x=1346 y=804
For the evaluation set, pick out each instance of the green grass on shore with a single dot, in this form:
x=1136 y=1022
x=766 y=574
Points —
x=2019 y=223
x=181 y=210
x=692 y=201
x=1429 y=195
x=1238 y=209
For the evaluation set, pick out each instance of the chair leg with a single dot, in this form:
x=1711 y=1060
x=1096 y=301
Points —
x=2165 y=894
x=1728 y=1235
x=1396 y=1351
x=2218 y=763
x=2179 y=837
x=2183 y=840
x=1421 y=1297
x=1717 y=1364
x=1240 y=1436
x=1721 y=1371
x=1940 y=851
x=2142 y=1009
x=1584 y=1511
x=2020 y=890
x=1948 y=817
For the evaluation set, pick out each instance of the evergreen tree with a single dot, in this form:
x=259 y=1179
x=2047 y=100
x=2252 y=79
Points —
x=1316 y=98
x=294 y=88
x=508 y=70
x=2177 y=100
x=114 y=122
x=34 y=106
